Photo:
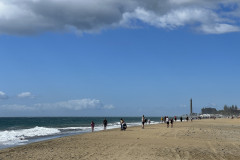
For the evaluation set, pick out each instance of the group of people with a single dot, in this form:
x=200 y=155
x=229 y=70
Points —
x=144 y=120
x=122 y=123
x=104 y=125
x=163 y=119
x=167 y=121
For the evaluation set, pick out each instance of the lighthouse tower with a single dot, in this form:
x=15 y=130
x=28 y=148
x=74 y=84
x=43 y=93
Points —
x=191 y=107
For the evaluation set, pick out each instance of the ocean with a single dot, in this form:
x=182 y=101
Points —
x=16 y=131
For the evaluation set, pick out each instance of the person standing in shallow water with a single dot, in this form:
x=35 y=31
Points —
x=105 y=124
x=92 y=125
x=143 y=121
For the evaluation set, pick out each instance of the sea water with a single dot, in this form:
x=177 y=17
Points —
x=20 y=131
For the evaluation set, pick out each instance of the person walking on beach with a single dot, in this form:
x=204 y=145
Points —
x=181 y=119
x=175 y=118
x=167 y=120
x=161 y=119
x=92 y=125
x=172 y=123
x=143 y=121
x=105 y=124
x=121 y=123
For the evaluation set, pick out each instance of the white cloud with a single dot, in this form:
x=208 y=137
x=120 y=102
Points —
x=79 y=104
x=172 y=19
x=34 y=16
x=62 y=108
x=25 y=95
x=3 y=95
x=219 y=28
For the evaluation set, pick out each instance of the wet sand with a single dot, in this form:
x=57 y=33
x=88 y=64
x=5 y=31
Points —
x=200 y=139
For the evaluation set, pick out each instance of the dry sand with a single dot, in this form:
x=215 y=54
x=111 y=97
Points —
x=200 y=139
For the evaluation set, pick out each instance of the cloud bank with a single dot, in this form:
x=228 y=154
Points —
x=36 y=16
x=79 y=104
x=70 y=105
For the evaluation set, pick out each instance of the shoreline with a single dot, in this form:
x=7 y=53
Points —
x=40 y=139
x=41 y=132
x=52 y=137
x=200 y=139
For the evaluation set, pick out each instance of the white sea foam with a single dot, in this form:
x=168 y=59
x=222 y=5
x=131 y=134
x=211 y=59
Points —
x=75 y=128
x=14 y=137
x=18 y=137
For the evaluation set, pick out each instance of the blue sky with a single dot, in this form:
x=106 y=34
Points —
x=151 y=61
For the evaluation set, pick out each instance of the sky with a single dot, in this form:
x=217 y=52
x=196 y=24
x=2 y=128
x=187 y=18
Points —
x=118 y=58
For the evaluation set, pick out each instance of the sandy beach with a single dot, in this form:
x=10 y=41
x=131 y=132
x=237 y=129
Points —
x=200 y=139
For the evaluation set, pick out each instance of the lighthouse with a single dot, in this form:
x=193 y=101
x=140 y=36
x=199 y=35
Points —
x=191 y=107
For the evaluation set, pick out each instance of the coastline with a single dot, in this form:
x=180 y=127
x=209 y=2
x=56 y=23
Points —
x=200 y=139
x=24 y=130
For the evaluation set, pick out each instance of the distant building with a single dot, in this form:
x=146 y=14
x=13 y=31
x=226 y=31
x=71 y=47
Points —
x=209 y=111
